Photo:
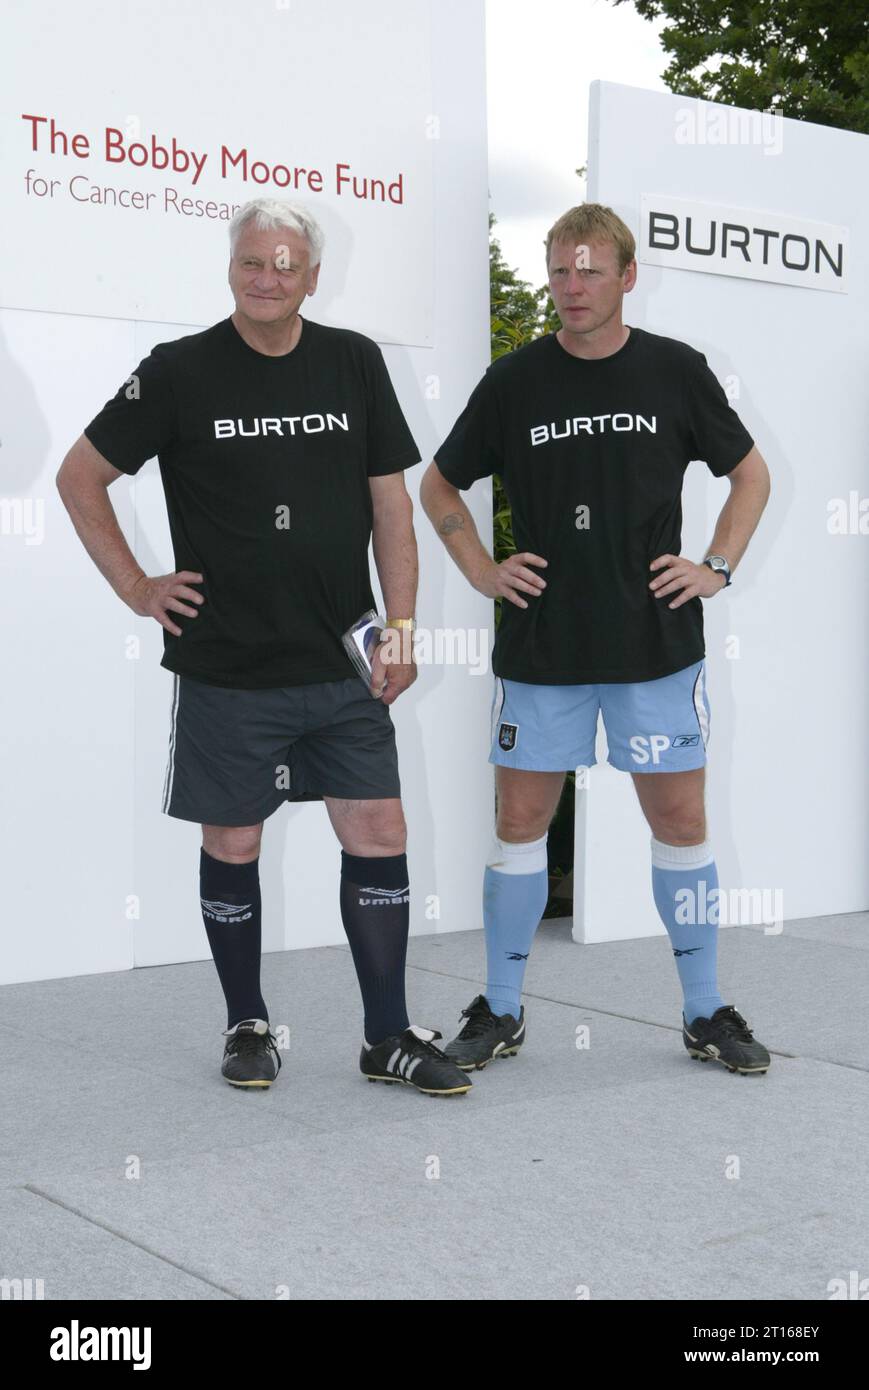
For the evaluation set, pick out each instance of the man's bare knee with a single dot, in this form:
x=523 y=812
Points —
x=519 y=829
x=234 y=844
x=673 y=806
x=370 y=829
x=679 y=830
x=384 y=836
x=526 y=803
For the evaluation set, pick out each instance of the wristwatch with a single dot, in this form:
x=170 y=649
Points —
x=409 y=623
x=719 y=565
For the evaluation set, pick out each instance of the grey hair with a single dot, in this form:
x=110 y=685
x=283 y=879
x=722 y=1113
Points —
x=268 y=214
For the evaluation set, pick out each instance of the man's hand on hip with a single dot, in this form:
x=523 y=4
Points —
x=512 y=577
x=695 y=581
x=153 y=598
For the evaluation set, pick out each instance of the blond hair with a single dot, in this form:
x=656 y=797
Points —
x=594 y=222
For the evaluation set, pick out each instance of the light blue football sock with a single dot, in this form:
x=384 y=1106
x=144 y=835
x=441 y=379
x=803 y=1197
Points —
x=685 y=885
x=515 y=893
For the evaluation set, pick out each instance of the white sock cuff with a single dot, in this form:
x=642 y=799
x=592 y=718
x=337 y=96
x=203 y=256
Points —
x=681 y=856
x=527 y=858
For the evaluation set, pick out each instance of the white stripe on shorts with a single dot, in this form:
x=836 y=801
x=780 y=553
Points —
x=497 y=706
x=170 y=766
x=700 y=706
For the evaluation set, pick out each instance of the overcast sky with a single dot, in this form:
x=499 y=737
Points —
x=542 y=56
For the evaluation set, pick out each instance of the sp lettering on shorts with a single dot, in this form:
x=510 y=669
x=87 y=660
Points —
x=686 y=740
x=507 y=736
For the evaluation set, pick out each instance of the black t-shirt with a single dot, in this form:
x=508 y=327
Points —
x=265 y=464
x=613 y=435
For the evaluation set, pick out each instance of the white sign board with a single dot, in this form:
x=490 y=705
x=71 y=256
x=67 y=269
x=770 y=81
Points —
x=787 y=675
x=118 y=181
x=684 y=234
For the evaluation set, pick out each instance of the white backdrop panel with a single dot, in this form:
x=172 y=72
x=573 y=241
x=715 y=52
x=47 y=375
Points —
x=102 y=878
x=67 y=726
x=788 y=674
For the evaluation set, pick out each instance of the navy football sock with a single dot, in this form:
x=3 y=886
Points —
x=375 y=910
x=232 y=912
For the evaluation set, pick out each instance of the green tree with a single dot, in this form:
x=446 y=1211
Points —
x=808 y=59
x=516 y=309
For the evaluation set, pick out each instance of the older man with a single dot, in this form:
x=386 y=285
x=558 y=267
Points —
x=281 y=448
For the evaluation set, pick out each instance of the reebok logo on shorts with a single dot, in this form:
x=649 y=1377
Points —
x=225 y=912
x=645 y=748
x=507 y=737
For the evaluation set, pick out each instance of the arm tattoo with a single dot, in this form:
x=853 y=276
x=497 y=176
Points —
x=451 y=523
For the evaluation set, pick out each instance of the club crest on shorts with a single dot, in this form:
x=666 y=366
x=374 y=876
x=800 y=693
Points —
x=507 y=735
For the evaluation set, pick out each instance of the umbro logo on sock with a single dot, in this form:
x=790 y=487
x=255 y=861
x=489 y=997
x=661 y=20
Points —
x=517 y=955
x=688 y=951
x=225 y=912
x=385 y=896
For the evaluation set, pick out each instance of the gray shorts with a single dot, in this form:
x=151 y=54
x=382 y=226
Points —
x=236 y=755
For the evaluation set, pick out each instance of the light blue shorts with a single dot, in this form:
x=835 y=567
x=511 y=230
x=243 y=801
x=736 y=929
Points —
x=651 y=726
